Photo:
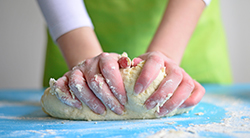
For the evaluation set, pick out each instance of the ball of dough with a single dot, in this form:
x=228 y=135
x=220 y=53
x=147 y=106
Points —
x=134 y=108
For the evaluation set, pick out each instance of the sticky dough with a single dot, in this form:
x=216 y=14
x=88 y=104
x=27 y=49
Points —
x=134 y=109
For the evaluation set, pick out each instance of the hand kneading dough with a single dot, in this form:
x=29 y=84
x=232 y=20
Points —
x=135 y=108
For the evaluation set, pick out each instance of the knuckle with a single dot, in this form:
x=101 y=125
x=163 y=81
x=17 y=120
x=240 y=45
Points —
x=67 y=73
x=190 y=84
x=177 y=72
x=94 y=86
x=156 y=53
x=96 y=83
x=87 y=62
x=62 y=81
x=109 y=66
x=76 y=72
x=156 y=58
x=159 y=96
x=103 y=55
x=173 y=104
x=108 y=69
x=146 y=78
x=162 y=94
x=76 y=75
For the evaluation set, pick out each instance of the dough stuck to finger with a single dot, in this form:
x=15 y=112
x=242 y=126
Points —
x=134 y=108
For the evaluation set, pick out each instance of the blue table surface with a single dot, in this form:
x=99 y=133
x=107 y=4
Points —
x=225 y=113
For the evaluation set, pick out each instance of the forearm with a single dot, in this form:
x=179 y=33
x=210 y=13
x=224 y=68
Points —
x=78 y=45
x=71 y=26
x=176 y=28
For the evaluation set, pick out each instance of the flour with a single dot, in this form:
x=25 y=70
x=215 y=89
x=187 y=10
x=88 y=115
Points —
x=200 y=113
x=238 y=120
x=40 y=133
x=173 y=134
x=134 y=108
x=234 y=123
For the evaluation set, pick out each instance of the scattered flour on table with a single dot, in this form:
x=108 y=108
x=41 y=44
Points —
x=237 y=124
x=200 y=113
x=22 y=104
x=36 y=133
x=172 y=134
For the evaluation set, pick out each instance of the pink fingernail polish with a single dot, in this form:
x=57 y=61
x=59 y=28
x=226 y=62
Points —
x=78 y=106
x=138 y=88
x=101 y=111
x=162 y=113
x=183 y=106
x=120 y=112
x=151 y=105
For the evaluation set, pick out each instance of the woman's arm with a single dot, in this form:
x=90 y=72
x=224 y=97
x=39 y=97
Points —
x=78 y=45
x=71 y=28
x=176 y=28
x=166 y=50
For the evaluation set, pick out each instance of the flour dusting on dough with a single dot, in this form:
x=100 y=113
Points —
x=134 y=107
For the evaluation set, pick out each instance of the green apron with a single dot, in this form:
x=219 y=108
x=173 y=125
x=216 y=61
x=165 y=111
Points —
x=129 y=25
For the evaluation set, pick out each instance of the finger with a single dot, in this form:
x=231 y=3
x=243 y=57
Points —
x=80 y=88
x=63 y=93
x=167 y=86
x=195 y=96
x=136 y=61
x=180 y=95
x=149 y=73
x=98 y=85
x=124 y=62
x=112 y=75
x=102 y=91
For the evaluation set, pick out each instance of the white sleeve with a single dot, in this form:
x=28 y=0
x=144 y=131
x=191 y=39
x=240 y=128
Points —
x=207 y=2
x=63 y=16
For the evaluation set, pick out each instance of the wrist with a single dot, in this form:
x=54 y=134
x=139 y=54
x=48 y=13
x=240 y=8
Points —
x=78 y=45
x=176 y=28
x=175 y=57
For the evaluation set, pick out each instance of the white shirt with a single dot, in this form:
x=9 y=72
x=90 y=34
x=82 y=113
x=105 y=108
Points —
x=63 y=16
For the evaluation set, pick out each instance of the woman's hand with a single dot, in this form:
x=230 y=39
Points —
x=96 y=82
x=186 y=92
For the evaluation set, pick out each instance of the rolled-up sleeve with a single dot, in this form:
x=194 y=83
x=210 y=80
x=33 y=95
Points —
x=63 y=16
x=207 y=2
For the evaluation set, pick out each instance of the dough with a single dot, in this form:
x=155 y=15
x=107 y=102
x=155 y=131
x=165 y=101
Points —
x=135 y=108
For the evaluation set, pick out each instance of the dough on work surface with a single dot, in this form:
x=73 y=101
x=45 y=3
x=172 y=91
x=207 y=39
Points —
x=135 y=108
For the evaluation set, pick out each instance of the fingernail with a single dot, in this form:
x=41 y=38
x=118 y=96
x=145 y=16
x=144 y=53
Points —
x=138 y=88
x=162 y=113
x=183 y=106
x=123 y=100
x=120 y=110
x=136 y=61
x=101 y=111
x=78 y=106
x=64 y=78
x=151 y=105
x=124 y=62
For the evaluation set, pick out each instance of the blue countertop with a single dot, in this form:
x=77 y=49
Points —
x=223 y=112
